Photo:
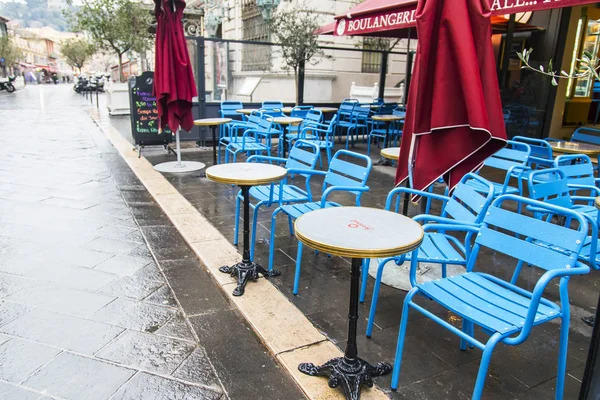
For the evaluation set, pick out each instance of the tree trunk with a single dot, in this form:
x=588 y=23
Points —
x=121 y=75
x=296 y=84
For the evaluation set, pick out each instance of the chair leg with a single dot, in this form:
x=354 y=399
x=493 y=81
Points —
x=484 y=364
x=254 y=224
x=375 y=296
x=401 y=336
x=365 y=277
x=236 y=230
x=298 y=266
x=564 y=340
x=369 y=146
x=272 y=239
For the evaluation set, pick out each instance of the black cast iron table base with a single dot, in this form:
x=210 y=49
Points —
x=347 y=373
x=246 y=271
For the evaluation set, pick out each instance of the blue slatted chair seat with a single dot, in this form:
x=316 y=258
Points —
x=346 y=124
x=247 y=146
x=486 y=302
x=291 y=193
x=226 y=140
x=437 y=246
x=498 y=187
x=296 y=210
x=306 y=136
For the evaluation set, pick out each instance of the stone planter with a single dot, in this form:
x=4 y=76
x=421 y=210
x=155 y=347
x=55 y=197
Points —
x=117 y=98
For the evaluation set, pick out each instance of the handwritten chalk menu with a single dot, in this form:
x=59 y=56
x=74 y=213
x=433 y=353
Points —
x=144 y=113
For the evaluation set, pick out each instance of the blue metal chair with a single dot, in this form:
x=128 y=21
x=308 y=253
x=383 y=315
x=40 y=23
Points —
x=464 y=207
x=348 y=172
x=360 y=117
x=552 y=187
x=541 y=152
x=513 y=160
x=312 y=118
x=344 y=118
x=254 y=140
x=303 y=156
x=311 y=134
x=272 y=108
x=579 y=171
x=502 y=309
x=300 y=111
x=379 y=130
x=583 y=135
x=234 y=129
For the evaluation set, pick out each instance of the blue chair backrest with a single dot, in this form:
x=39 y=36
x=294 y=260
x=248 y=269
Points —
x=550 y=186
x=313 y=117
x=506 y=115
x=229 y=107
x=300 y=111
x=511 y=233
x=466 y=204
x=385 y=109
x=541 y=152
x=400 y=111
x=265 y=123
x=303 y=155
x=254 y=119
x=346 y=109
x=274 y=108
x=350 y=100
x=586 y=135
x=351 y=173
x=577 y=168
x=514 y=153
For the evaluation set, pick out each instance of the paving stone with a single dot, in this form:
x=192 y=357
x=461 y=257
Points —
x=123 y=265
x=263 y=377
x=147 y=351
x=70 y=375
x=166 y=243
x=19 y=359
x=134 y=315
x=69 y=275
x=137 y=287
x=198 y=369
x=112 y=246
x=10 y=311
x=75 y=256
x=147 y=386
x=11 y=283
x=60 y=298
x=13 y=392
x=62 y=331
x=177 y=328
x=163 y=296
x=114 y=232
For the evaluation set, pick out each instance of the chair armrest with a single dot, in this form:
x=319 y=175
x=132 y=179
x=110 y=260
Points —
x=413 y=192
x=329 y=190
x=451 y=227
x=426 y=219
x=306 y=171
x=592 y=189
x=260 y=158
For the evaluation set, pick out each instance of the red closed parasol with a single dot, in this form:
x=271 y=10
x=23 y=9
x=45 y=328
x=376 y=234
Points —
x=454 y=118
x=174 y=85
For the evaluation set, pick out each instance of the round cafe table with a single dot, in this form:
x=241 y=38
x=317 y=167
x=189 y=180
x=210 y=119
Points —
x=575 y=148
x=387 y=119
x=213 y=123
x=391 y=153
x=356 y=232
x=246 y=175
x=326 y=110
x=286 y=121
x=287 y=110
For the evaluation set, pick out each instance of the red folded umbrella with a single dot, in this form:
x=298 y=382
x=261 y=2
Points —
x=174 y=85
x=454 y=119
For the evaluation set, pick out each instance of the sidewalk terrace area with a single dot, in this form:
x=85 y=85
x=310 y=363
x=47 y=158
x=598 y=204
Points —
x=433 y=366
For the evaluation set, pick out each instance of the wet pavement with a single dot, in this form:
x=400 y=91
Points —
x=433 y=365
x=100 y=297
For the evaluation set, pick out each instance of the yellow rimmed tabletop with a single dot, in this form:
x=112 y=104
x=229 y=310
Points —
x=286 y=121
x=597 y=202
x=575 y=148
x=213 y=123
x=357 y=232
x=391 y=153
x=387 y=117
x=246 y=111
x=326 y=109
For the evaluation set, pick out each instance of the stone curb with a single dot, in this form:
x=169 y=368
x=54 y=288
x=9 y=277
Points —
x=282 y=327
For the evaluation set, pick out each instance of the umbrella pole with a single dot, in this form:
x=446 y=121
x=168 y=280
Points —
x=178 y=149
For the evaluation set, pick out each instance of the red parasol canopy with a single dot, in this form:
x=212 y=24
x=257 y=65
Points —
x=174 y=85
x=454 y=119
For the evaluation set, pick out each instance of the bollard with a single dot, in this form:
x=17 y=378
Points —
x=97 y=101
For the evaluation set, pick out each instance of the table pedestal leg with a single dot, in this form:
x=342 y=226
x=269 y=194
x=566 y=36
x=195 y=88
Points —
x=214 y=143
x=247 y=269
x=350 y=372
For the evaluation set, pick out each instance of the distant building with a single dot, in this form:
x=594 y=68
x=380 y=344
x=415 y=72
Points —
x=3 y=27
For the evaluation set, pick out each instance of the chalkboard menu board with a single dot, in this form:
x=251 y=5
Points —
x=144 y=114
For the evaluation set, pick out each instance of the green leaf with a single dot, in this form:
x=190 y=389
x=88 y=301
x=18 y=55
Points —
x=554 y=81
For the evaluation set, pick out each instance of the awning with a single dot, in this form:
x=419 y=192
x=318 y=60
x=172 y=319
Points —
x=377 y=16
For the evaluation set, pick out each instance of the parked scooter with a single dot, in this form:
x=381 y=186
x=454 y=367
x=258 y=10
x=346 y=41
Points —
x=80 y=85
x=7 y=84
